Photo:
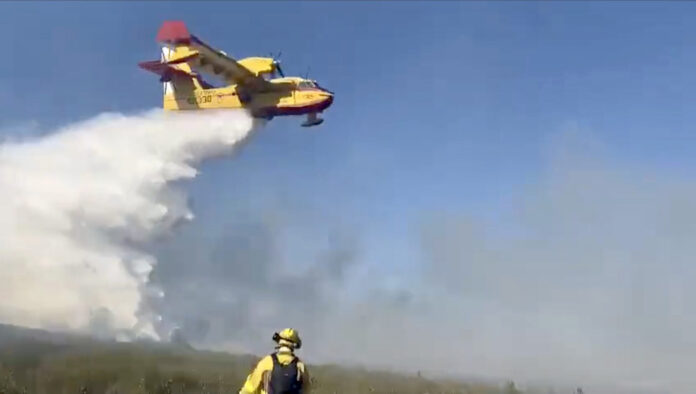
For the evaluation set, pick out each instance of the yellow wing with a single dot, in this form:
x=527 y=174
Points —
x=202 y=58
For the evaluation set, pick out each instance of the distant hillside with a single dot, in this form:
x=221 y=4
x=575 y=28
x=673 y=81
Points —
x=13 y=334
x=35 y=361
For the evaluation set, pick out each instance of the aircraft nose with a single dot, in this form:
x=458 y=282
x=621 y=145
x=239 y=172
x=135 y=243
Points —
x=329 y=99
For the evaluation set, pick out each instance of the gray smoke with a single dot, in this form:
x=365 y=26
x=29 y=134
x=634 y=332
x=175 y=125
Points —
x=587 y=281
x=238 y=286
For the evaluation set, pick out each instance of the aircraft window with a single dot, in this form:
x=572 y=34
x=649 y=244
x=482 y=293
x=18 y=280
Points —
x=306 y=85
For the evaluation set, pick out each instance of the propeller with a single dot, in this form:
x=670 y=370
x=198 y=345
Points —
x=276 y=63
x=280 y=70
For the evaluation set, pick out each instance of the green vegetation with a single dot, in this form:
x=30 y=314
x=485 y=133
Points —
x=35 y=362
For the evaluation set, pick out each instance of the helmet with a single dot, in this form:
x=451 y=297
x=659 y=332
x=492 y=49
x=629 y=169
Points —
x=289 y=337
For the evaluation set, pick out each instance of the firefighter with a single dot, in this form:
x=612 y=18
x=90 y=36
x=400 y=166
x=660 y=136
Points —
x=280 y=372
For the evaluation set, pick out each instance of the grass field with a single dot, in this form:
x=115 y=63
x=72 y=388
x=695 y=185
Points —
x=43 y=363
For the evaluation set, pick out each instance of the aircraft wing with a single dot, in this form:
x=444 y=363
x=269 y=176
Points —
x=203 y=58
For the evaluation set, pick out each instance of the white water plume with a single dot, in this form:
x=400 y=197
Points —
x=76 y=205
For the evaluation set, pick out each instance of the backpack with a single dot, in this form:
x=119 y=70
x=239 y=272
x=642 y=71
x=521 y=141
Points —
x=284 y=378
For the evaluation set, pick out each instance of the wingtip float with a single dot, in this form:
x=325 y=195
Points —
x=254 y=83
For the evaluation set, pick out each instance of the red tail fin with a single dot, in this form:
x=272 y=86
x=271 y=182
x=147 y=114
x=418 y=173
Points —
x=173 y=32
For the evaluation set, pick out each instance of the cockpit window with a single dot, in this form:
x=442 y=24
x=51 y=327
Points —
x=306 y=85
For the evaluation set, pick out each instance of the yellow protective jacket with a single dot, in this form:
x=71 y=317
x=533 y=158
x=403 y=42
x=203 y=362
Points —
x=257 y=381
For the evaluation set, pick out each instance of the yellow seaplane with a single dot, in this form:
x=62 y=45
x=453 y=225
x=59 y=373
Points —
x=253 y=83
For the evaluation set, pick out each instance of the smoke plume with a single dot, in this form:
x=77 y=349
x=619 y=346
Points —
x=78 y=204
x=584 y=279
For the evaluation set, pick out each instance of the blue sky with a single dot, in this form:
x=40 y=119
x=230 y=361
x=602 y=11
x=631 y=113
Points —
x=450 y=103
x=440 y=106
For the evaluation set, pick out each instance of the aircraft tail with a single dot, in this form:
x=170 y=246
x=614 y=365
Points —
x=167 y=86
x=173 y=67
x=179 y=81
x=175 y=73
x=181 y=78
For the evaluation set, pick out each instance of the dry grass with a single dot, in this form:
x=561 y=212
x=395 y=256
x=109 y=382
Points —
x=80 y=367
